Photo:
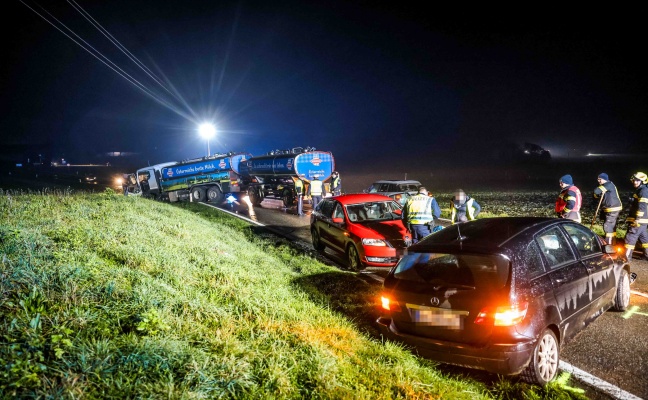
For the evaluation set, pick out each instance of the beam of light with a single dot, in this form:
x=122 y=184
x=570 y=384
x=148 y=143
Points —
x=117 y=44
x=107 y=62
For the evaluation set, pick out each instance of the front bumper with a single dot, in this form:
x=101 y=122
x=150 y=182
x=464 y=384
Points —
x=505 y=359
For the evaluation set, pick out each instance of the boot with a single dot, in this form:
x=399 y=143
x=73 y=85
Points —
x=629 y=254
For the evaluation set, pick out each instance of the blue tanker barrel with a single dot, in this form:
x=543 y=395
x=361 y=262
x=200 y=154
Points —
x=305 y=165
x=201 y=167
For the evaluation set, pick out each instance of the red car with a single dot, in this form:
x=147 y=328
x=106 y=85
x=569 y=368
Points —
x=367 y=228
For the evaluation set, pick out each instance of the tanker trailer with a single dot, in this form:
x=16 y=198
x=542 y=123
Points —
x=200 y=179
x=272 y=175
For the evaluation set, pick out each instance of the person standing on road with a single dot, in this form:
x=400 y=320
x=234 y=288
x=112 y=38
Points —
x=610 y=205
x=125 y=182
x=638 y=216
x=299 y=189
x=316 y=191
x=336 y=183
x=463 y=207
x=419 y=214
x=569 y=201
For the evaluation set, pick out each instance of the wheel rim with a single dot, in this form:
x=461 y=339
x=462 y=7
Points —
x=625 y=290
x=547 y=357
x=353 y=258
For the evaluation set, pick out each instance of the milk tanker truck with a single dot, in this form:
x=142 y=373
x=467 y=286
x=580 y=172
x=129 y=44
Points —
x=214 y=177
x=273 y=175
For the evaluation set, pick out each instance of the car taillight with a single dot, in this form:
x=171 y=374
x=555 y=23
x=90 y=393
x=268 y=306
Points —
x=388 y=305
x=502 y=316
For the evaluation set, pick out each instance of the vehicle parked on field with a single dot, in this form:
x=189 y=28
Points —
x=503 y=294
x=367 y=228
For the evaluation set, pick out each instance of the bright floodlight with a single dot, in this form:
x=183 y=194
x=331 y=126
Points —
x=207 y=131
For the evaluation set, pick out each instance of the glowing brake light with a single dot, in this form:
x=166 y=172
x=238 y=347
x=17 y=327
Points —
x=388 y=305
x=503 y=315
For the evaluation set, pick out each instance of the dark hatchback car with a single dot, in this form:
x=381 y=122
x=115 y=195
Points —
x=503 y=294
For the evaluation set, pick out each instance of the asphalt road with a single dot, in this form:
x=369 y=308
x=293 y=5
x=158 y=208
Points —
x=612 y=351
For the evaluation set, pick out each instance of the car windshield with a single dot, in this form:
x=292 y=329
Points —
x=374 y=211
x=475 y=271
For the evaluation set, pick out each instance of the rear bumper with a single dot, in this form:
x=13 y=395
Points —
x=505 y=359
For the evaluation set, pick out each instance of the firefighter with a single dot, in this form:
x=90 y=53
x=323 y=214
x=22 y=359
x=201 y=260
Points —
x=419 y=214
x=464 y=208
x=568 y=203
x=638 y=216
x=610 y=205
x=316 y=191
x=299 y=189
x=336 y=183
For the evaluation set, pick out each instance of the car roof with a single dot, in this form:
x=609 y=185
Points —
x=361 y=198
x=486 y=233
x=396 y=181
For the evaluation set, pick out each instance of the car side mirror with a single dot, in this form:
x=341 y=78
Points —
x=338 y=220
x=610 y=249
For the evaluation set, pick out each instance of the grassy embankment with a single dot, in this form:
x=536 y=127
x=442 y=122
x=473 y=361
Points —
x=112 y=296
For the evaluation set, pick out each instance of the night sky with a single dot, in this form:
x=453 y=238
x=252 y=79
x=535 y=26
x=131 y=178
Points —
x=376 y=84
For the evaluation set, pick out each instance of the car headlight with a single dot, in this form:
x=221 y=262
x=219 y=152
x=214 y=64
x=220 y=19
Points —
x=374 y=242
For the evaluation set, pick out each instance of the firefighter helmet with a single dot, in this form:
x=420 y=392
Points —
x=640 y=176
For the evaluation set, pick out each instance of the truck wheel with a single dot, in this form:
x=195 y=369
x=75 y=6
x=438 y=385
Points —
x=353 y=259
x=543 y=367
x=255 y=197
x=622 y=297
x=288 y=198
x=317 y=242
x=198 y=194
x=214 y=194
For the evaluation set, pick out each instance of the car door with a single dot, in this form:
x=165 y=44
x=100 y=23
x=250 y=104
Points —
x=323 y=220
x=600 y=267
x=569 y=278
x=336 y=232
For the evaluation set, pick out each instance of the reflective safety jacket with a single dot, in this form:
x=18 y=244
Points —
x=337 y=183
x=316 y=188
x=639 y=207
x=611 y=201
x=299 y=186
x=421 y=210
x=568 y=200
x=470 y=208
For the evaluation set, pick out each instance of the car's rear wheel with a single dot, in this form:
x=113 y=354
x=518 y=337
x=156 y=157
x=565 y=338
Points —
x=543 y=367
x=353 y=258
x=317 y=242
x=622 y=298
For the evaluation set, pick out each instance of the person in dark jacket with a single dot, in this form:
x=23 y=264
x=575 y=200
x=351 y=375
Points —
x=336 y=183
x=610 y=206
x=568 y=203
x=463 y=207
x=146 y=188
x=638 y=216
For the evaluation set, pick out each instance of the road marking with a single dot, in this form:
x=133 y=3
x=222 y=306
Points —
x=597 y=383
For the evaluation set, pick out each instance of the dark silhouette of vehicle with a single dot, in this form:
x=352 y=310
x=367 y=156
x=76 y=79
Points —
x=503 y=294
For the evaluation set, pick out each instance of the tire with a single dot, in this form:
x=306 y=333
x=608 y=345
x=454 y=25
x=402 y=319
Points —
x=288 y=198
x=255 y=196
x=198 y=194
x=622 y=297
x=214 y=194
x=543 y=367
x=353 y=258
x=317 y=242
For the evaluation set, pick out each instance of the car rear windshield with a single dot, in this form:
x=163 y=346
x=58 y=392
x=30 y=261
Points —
x=478 y=271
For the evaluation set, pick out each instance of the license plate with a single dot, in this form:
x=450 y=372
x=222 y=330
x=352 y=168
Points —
x=434 y=316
